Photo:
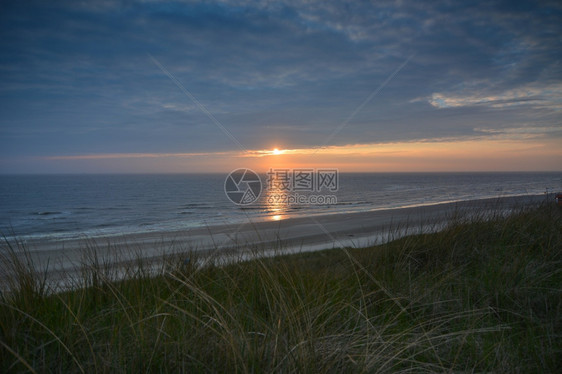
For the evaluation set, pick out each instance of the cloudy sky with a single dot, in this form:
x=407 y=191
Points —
x=187 y=86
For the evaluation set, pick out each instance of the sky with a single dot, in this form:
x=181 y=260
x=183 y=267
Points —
x=383 y=86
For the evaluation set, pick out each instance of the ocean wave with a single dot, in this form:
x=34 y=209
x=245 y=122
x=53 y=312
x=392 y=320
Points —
x=354 y=203
x=196 y=205
x=47 y=213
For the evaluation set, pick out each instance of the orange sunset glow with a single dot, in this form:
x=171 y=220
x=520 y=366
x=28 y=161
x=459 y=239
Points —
x=469 y=155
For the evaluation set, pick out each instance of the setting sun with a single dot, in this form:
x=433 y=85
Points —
x=276 y=151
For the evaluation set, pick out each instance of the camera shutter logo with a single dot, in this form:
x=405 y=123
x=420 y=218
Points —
x=242 y=186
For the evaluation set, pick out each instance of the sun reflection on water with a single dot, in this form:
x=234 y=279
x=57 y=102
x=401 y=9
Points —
x=276 y=206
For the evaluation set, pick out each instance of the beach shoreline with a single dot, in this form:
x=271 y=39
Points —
x=237 y=241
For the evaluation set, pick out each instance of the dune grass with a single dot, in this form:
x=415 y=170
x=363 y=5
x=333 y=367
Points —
x=484 y=294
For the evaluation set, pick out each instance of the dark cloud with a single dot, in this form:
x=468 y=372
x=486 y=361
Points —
x=76 y=77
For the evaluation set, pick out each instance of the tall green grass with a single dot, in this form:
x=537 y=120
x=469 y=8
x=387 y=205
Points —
x=484 y=294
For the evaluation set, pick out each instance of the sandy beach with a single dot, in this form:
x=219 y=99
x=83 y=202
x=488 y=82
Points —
x=239 y=241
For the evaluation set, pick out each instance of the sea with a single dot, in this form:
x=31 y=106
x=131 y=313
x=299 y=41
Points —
x=77 y=206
